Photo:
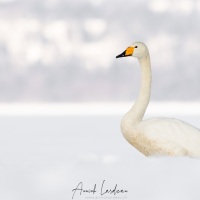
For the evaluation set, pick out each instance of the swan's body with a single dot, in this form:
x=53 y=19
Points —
x=157 y=136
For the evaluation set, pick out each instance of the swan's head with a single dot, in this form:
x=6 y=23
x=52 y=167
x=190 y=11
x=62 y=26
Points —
x=137 y=49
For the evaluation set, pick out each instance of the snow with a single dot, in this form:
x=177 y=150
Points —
x=46 y=156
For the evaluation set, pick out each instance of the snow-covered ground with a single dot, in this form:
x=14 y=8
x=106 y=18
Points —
x=47 y=149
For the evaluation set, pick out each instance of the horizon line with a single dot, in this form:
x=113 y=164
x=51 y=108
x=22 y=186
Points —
x=97 y=108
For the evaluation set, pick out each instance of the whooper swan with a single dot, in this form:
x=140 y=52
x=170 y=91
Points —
x=156 y=136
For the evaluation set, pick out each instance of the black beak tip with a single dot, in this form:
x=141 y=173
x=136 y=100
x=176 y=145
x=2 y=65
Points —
x=121 y=55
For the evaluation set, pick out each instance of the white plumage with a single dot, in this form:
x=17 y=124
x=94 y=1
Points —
x=157 y=136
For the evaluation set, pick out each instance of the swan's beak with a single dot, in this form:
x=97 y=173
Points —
x=128 y=52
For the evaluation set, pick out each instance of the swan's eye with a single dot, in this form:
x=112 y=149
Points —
x=136 y=46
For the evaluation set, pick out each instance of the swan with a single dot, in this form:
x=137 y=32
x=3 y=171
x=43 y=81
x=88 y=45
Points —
x=156 y=136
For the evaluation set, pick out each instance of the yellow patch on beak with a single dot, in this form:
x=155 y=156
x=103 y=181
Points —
x=129 y=51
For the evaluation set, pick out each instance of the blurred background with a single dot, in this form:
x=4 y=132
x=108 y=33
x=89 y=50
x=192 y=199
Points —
x=63 y=94
x=64 y=51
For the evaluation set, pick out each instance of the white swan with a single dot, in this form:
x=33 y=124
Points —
x=156 y=136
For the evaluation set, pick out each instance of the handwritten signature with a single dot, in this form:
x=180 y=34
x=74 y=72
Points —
x=80 y=190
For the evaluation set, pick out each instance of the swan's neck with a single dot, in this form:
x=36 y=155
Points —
x=136 y=113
